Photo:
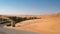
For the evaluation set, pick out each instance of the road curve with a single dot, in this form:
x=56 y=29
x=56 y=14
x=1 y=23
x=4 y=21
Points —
x=13 y=31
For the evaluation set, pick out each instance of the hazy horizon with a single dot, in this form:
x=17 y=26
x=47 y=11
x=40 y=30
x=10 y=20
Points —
x=29 y=7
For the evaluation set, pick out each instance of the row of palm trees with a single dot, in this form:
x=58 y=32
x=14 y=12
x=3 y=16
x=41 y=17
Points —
x=15 y=20
x=19 y=19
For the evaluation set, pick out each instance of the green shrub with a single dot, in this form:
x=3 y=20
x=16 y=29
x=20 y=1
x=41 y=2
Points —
x=8 y=25
x=1 y=23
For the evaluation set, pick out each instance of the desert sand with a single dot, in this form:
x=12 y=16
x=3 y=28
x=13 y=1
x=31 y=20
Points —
x=48 y=24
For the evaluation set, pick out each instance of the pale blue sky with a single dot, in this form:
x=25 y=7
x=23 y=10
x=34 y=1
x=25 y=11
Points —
x=33 y=7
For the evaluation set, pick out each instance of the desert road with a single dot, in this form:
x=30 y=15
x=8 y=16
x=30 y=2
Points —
x=13 y=31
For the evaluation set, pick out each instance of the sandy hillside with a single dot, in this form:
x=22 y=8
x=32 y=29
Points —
x=48 y=24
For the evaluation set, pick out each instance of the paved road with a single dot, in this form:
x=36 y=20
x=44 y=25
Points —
x=13 y=31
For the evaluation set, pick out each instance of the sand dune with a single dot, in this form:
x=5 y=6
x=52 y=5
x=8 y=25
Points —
x=48 y=24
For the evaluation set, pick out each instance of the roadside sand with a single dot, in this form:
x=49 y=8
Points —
x=5 y=30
